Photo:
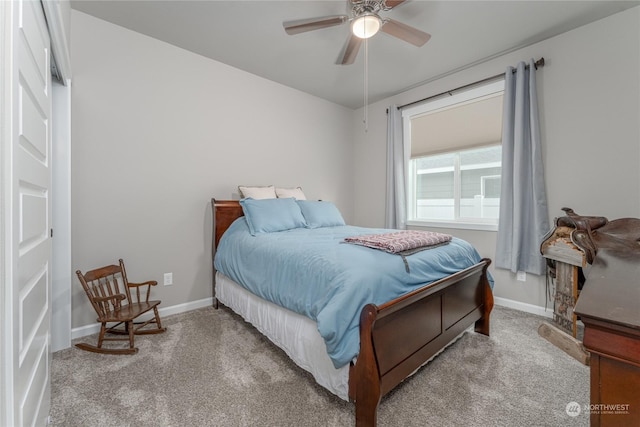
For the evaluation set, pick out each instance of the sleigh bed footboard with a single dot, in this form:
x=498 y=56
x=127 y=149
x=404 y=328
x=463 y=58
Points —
x=398 y=337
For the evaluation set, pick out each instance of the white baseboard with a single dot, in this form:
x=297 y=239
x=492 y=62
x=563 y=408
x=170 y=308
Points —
x=83 y=331
x=523 y=306
x=94 y=328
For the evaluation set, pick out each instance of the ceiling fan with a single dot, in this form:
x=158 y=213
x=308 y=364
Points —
x=365 y=22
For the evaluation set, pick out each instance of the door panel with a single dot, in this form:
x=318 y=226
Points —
x=33 y=126
x=32 y=217
x=33 y=300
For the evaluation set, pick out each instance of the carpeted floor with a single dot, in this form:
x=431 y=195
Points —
x=212 y=369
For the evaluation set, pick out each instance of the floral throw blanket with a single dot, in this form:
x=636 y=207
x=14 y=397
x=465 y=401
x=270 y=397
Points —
x=403 y=243
x=400 y=241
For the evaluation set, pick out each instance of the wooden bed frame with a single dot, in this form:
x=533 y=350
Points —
x=398 y=337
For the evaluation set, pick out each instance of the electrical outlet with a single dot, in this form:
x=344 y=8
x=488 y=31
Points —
x=168 y=279
x=521 y=276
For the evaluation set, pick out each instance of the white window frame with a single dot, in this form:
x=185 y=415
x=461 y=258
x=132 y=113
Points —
x=407 y=115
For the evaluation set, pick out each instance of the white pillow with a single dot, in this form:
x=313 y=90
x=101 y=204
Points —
x=285 y=193
x=257 y=192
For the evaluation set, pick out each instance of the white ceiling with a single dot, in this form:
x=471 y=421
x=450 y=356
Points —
x=249 y=35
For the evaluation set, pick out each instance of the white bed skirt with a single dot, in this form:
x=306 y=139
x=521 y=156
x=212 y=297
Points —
x=294 y=333
x=297 y=335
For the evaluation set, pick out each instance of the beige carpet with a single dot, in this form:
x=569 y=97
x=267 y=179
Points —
x=212 y=369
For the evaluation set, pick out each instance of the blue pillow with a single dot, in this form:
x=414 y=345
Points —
x=269 y=215
x=320 y=214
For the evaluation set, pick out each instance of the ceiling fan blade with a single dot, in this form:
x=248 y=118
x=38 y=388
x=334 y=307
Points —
x=405 y=32
x=350 y=50
x=304 y=25
x=390 y=4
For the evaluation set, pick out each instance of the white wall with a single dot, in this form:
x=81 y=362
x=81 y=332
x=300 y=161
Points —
x=589 y=102
x=157 y=131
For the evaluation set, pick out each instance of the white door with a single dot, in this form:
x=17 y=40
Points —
x=28 y=241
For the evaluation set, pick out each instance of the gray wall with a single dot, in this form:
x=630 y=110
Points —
x=589 y=102
x=157 y=131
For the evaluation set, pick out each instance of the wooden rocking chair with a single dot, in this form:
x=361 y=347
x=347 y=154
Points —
x=116 y=305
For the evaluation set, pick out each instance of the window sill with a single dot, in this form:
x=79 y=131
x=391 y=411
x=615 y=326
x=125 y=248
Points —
x=454 y=224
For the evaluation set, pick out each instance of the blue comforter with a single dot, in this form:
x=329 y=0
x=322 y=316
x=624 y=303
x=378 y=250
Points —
x=311 y=272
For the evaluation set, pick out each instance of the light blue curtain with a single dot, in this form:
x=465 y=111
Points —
x=395 y=211
x=524 y=218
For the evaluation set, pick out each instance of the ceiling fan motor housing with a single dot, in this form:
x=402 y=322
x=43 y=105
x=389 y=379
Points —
x=363 y=7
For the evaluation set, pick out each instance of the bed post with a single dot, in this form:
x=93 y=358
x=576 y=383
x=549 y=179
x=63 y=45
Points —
x=213 y=253
x=368 y=392
x=223 y=215
x=482 y=324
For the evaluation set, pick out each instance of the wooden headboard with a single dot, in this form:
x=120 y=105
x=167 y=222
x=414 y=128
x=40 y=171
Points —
x=224 y=213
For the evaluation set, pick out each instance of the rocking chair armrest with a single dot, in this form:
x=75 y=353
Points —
x=148 y=282
x=137 y=295
x=117 y=297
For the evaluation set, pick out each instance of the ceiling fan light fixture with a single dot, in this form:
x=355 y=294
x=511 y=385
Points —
x=366 y=25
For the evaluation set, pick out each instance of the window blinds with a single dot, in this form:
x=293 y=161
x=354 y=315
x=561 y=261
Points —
x=456 y=127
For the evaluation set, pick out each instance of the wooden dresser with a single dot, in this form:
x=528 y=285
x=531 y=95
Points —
x=609 y=306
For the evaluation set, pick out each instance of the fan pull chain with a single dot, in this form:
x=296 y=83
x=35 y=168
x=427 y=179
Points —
x=366 y=85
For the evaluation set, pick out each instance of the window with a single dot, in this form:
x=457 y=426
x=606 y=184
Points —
x=461 y=185
x=455 y=166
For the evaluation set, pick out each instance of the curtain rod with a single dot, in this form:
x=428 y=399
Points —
x=537 y=64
